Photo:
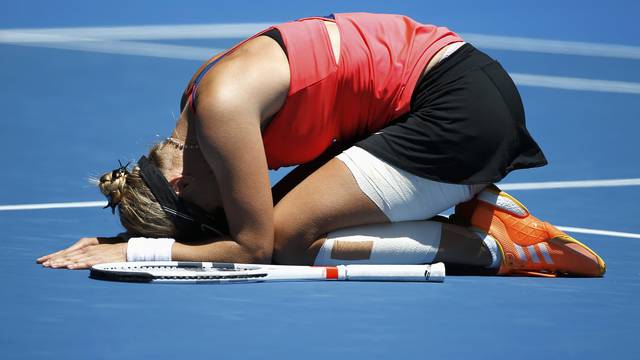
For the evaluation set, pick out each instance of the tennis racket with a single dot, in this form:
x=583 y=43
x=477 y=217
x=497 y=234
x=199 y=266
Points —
x=216 y=273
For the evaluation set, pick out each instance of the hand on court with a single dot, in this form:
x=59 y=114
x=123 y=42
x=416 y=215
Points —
x=87 y=252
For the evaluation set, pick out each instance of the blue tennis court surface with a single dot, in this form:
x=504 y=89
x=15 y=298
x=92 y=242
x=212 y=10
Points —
x=73 y=106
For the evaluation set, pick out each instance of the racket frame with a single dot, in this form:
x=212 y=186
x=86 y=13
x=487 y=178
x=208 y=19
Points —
x=214 y=272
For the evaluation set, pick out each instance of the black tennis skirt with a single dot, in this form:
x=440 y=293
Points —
x=466 y=125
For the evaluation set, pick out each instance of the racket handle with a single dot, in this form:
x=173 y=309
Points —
x=434 y=272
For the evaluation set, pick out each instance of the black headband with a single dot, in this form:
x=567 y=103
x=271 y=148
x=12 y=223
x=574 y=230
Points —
x=188 y=218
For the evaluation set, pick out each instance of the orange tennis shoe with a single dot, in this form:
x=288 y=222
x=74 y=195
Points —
x=529 y=246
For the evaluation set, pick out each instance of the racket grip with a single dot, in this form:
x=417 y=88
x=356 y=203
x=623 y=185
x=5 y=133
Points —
x=433 y=273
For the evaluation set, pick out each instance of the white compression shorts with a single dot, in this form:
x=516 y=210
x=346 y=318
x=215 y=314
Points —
x=401 y=195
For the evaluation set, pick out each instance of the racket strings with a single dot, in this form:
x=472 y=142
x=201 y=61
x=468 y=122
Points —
x=187 y=273
x=210 y=277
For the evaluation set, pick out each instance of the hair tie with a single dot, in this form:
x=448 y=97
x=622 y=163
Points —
x=115 y=175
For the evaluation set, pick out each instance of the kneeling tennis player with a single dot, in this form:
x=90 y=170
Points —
x=389 y=121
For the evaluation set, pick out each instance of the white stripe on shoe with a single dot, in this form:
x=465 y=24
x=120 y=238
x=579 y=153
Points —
x=533 y=253
x=544 y=250
x=521 y=254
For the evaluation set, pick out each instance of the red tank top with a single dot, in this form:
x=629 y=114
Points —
x=381 y=59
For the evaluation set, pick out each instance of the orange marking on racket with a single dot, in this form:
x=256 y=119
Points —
x=332 y=273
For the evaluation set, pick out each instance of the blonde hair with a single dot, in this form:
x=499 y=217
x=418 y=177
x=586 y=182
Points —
x=139 y=211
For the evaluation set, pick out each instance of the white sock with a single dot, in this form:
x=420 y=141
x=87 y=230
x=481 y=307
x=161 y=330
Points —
x=407 y=242
x=492 y=246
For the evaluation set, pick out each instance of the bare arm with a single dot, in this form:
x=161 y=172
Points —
x=225 y=250
x=234 y=101
x=183 y=99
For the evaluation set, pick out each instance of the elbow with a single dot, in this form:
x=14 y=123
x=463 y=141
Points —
x=260 y=250
x=260 y=256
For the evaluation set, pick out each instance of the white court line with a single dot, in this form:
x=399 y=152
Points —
x=166 y=51
x=44 y=206
x=570 y=184
x=547 y=46
x=599 y=232
x=512 y=186
x=103 y=203
x=571 y=83
x=104 y=40
x=242 y=30
x=201 y=54
x=148 y=32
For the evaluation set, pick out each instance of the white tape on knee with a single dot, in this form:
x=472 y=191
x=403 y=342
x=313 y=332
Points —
x=149 y=249
x=408 y=242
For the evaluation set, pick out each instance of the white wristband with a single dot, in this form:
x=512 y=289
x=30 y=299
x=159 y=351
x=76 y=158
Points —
x=149 y=249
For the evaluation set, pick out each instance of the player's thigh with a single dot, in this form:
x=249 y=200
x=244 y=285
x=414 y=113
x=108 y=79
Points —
x=327 y=200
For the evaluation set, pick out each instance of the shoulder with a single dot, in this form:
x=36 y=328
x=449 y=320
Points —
x=255 y=76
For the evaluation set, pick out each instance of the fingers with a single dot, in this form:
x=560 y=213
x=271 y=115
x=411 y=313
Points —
x=47 y=258
x=76 y=265
x=67 y=257
x=84 y=242
x=80 y=265
x=52 y=255
x=73 y=263
x=42 y=259
x=87 y=256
